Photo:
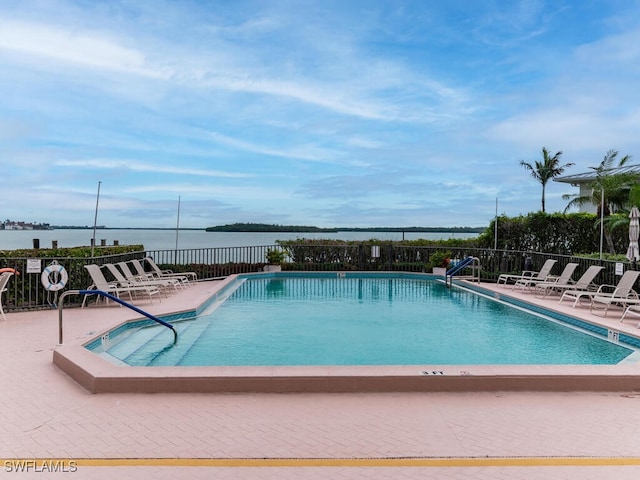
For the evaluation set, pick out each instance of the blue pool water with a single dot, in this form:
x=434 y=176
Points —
x=306 y=320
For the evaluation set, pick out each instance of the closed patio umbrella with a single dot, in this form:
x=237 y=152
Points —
x=633 y=253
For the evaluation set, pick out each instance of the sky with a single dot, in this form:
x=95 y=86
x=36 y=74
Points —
x=329 y=113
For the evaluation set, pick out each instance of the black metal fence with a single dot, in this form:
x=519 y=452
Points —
x=26 y=291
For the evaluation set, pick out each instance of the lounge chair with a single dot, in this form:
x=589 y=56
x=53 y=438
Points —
x=139 y=268
x=564 y=278
x=622 y=289
x=115 y=288
x=192 y=276
x=584 y=283
x=125 y=282
x=633 y=308
x=145 y=280
x=4 y=279
x=528 y=274
x=623 y=295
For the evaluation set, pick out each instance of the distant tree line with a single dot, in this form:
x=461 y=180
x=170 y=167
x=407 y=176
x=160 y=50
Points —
x=264 y=227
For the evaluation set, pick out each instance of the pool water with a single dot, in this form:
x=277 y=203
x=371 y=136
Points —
x=303 y=320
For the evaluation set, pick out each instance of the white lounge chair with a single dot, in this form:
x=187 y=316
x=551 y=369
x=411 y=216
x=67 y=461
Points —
x=139 y=268
x=584 y=283
x=115 y=288
x=622 y=289
x=192 y=276
x=564 y=278
x=623 y=295
x=528 y=274
x=633 y=308
x=4 y=279
x=140 y=280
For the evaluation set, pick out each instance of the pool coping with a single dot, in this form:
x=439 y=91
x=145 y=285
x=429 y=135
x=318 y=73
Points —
x=98 y=375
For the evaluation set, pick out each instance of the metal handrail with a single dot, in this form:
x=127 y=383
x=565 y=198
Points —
x=115 y=299
x=472 y=262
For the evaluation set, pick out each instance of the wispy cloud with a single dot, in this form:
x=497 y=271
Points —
x=80 y=48
x=135 y=166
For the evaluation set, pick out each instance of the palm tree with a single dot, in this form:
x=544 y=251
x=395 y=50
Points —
x=546 y=170
x=614 y=186
x=610 y=192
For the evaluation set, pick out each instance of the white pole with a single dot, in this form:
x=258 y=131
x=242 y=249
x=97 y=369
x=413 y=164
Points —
x=495 y=243
x=601 y=220
x=95 y=221
x=178 y=223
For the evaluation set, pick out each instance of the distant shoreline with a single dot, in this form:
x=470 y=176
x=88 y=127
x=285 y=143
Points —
x=285 y=229
x=264 y=228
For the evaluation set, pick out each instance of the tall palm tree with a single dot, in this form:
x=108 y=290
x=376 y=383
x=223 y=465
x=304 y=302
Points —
x=614 y=186
x=610 y=192
x=546 y=170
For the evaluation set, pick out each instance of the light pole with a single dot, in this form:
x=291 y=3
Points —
x=95 y=221
x=601 y=220
x=175 y=259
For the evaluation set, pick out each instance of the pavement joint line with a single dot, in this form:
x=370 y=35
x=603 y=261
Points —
x=15 y=464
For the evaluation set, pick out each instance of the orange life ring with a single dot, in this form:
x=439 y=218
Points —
x=12 y=270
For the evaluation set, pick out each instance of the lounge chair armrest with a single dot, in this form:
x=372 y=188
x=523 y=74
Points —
x=605 y=287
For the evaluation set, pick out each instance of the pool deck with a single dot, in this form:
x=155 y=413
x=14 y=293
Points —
x=496 y=434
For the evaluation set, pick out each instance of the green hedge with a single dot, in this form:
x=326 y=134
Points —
x=571 y=234
x=75 y=252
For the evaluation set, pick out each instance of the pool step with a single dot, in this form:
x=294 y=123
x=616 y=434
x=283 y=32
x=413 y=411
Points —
x=146 y=351
x=186 y=339
x=134 y=341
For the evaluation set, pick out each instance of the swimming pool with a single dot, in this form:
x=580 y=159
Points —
x=358 y=319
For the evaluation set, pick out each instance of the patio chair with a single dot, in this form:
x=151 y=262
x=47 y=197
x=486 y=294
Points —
x=564 y=278
x=528 y=274
x=624 y=289
x=633 y=308
x=623 y=296
x=145 y=280
x=192 y=276
x=584 y=283
x=4 y=279
x=115 y=288
x=139 y=268
x=124 y=282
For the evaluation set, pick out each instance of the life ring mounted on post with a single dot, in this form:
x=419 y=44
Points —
x=54 y=277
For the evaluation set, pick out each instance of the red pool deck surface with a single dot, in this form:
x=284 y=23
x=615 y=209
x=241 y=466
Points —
x=51 y=426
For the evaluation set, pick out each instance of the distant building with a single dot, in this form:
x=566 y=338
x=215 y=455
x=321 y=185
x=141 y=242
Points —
x=583 y=181
x=11 y=225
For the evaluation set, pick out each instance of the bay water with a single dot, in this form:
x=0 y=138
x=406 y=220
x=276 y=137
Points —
x=190 y=239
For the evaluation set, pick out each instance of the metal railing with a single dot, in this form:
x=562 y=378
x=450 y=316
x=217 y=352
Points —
x=463 y=266
x=115 y=299
x=25 y=291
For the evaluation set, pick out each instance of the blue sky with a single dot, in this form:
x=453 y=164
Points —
x=326 y=113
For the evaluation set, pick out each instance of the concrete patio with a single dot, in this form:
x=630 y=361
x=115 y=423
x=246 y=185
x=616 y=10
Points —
x=52 y=424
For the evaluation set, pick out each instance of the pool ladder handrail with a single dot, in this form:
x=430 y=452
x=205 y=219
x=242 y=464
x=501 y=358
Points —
x=472 y=262
x=115 y=299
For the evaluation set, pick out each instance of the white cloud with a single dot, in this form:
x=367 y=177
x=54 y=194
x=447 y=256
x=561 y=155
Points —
x=76 y=47
x=136 y=166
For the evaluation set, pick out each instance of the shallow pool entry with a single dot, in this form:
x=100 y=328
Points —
x=359 y=320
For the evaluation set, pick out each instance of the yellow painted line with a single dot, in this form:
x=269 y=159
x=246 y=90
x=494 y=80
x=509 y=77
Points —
x=59 y=464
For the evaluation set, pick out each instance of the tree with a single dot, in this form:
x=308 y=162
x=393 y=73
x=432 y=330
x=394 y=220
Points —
x=609 y=182
x=546 y=170
x=609 y=191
